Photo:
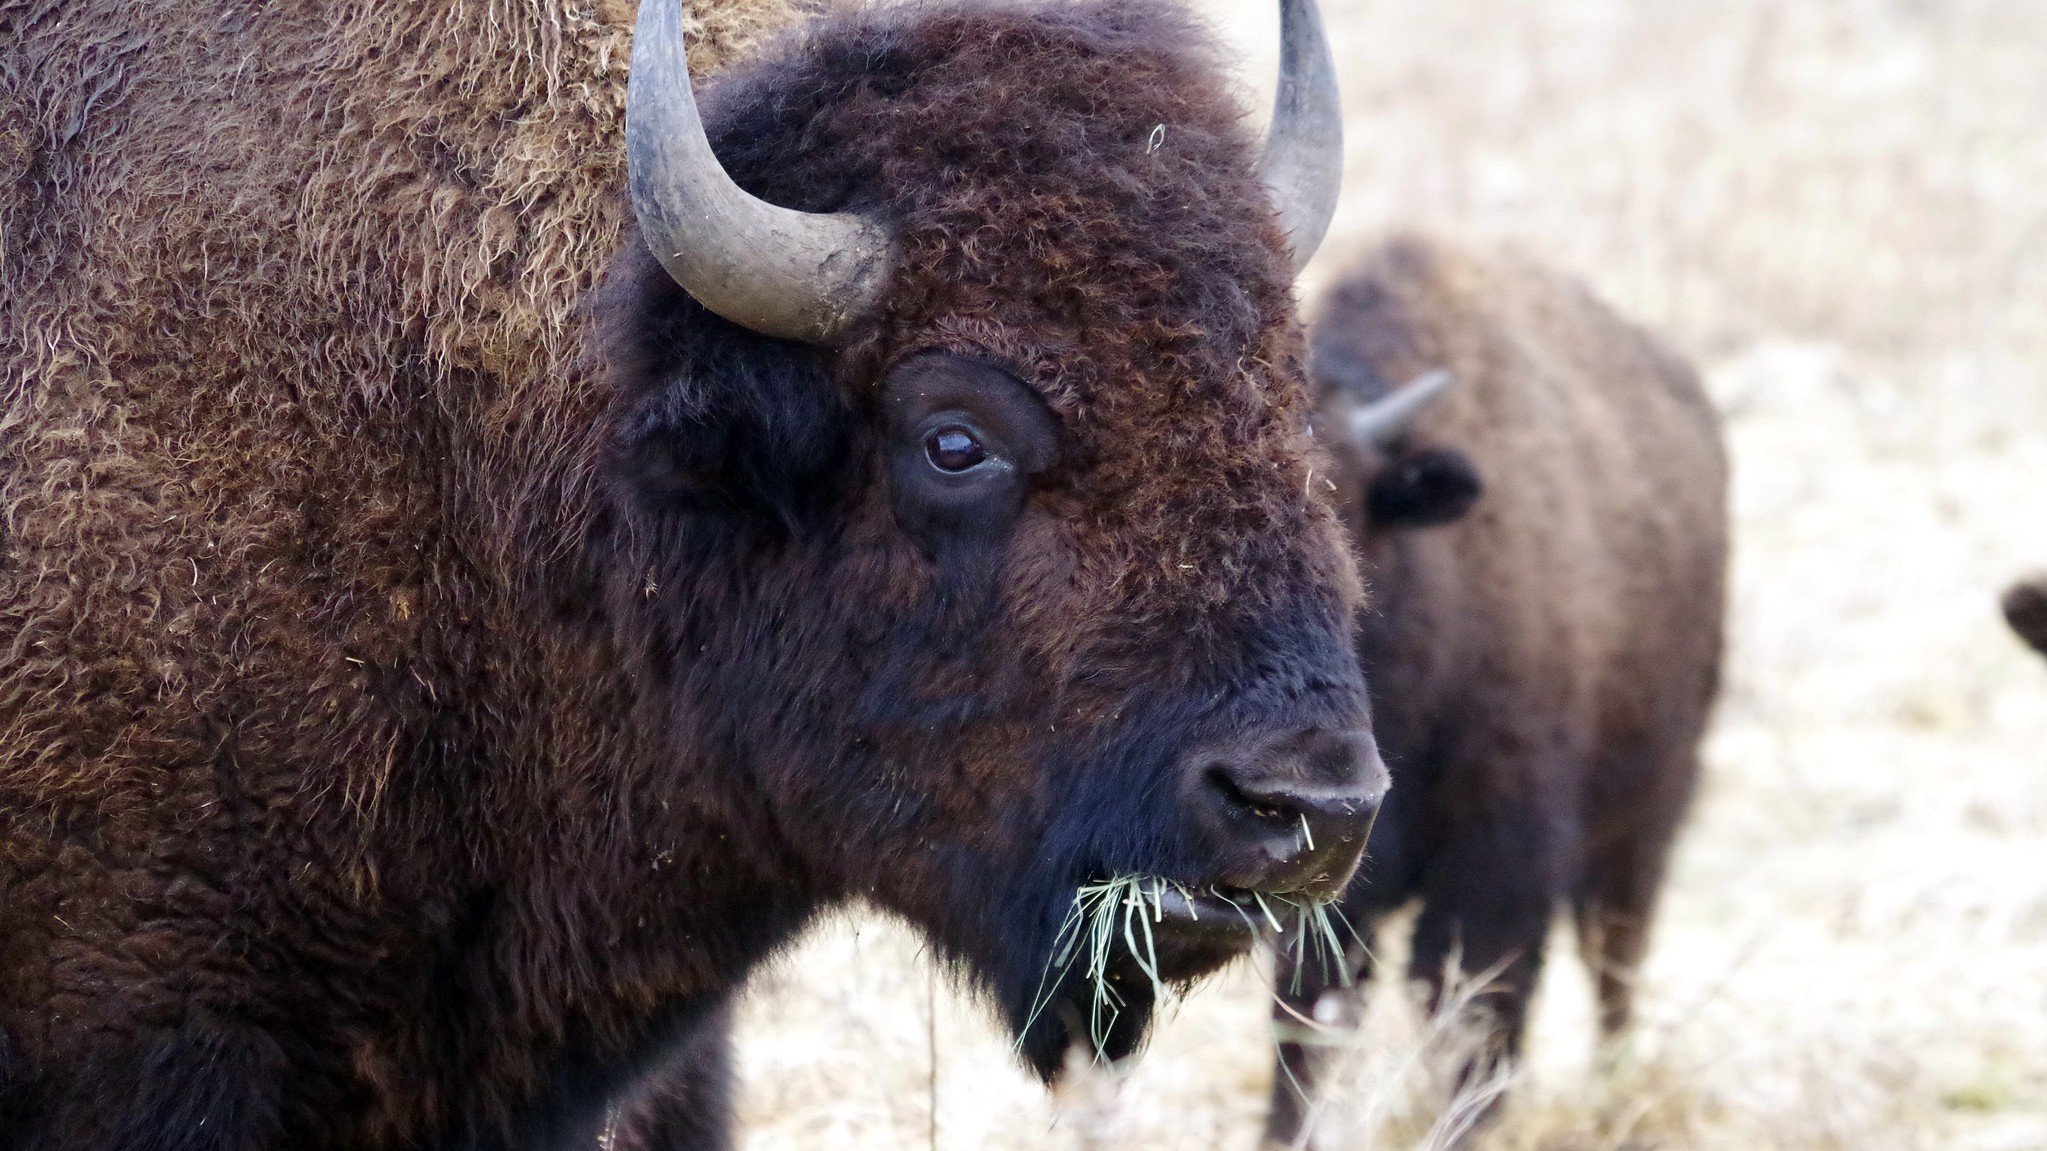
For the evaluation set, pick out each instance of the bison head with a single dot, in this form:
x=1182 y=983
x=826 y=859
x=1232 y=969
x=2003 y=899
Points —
x=1390 y=478
x=965 y=535
x=1393 y=483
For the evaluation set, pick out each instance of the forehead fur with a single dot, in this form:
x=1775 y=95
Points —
x=1077 y=196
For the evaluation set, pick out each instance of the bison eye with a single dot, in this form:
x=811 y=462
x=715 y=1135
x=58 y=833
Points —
x=954 y=449
x=964 y=441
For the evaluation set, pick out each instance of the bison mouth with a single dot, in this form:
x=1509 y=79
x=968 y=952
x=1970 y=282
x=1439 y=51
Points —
x=1129 y=942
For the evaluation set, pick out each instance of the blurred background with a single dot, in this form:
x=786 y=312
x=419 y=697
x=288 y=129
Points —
x=1839 y=210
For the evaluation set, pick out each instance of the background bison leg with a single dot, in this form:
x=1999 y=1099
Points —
x=1385 y=882
x=1617 y=903
x=1613 y=935
x=1316 y=1014
x=1488 y=896
x=686 y=1105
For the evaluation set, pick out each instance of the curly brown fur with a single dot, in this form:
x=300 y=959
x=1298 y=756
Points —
x=2025 y=608
x=1542 y=655
x=420 y=706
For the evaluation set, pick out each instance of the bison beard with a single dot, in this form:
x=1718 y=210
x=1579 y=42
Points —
x=420 y=708
x=1547 y=551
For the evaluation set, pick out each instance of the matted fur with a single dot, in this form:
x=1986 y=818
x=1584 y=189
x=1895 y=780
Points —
x=1541 y=667
x=390 y=753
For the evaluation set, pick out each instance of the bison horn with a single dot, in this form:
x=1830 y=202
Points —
x=803 y=276
x=1382 y=421
x=1303 y=162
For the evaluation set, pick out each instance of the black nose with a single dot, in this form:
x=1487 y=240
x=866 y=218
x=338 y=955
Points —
x=1290 y=815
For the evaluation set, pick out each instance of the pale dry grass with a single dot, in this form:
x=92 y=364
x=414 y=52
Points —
x=1840 y=209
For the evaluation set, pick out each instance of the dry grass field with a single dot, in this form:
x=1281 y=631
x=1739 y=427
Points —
x=1840 y=209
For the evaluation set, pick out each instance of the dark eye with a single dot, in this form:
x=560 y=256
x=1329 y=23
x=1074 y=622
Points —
x=954 y=449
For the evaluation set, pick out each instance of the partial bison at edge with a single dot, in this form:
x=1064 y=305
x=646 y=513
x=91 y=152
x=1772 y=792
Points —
x=429 y=686
x=1537 y=489
x=2025 y=608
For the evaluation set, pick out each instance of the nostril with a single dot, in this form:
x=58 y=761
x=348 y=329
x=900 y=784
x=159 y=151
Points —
x=1247 y=802
x=1291 y=813
x=1309 y=781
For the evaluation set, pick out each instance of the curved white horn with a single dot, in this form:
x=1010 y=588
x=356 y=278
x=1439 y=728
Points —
x=798 y=275
x=1382 y=421
x=1303 y=162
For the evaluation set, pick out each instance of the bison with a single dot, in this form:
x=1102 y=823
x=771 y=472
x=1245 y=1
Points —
x=2025 y=608
x=1540 y=516
x=457 y=618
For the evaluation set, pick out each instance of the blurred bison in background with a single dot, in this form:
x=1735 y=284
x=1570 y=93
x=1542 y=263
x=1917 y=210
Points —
x=1540 y=517
x=420 y=708
x=2025 y=608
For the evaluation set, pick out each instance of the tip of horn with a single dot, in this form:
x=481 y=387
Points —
x=1387 y=418
x=1303 y=162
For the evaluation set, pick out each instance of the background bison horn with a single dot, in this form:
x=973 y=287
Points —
x=801 y=276
x=1303 y=161
x=1380 y=422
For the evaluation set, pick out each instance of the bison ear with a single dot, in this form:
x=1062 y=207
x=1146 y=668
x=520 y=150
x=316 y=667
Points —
x=744 y=437
x=713 y=418
x=1423 y=489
